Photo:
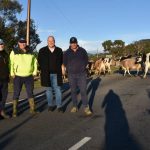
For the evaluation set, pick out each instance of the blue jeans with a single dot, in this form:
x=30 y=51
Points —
x=57 y=90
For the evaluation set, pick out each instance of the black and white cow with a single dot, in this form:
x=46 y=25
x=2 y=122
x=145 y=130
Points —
x=145 y=59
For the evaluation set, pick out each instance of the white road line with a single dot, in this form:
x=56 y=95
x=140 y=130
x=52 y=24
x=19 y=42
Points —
x=80 y=143
x=25 y=99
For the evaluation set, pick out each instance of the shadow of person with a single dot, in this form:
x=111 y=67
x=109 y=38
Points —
x=148 y=92
x=4 y=143
x=117 y=135
x=93 y=88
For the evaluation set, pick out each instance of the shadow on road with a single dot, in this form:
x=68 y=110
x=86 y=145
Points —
x=6 y=138
x=117 y=134
x=148 y=92
x=4 y=143
x=93 y=88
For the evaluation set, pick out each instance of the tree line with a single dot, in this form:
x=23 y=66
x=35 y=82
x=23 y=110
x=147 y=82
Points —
x=119 y=48
x=11 y=28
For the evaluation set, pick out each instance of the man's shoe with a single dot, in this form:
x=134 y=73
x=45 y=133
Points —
x=60 y=109
x=74 y=110
x=51 y=108
x=4 y=115
x=87 y=111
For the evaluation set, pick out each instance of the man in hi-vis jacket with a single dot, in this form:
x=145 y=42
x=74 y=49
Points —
x=23 y=68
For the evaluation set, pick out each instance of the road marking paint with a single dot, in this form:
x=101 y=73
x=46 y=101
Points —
x=80 y=143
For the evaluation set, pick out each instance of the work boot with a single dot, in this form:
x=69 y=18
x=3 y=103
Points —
x=32 y=106
x=87 y=111
x=15 y=105
x=74 y=109
x=4 y=115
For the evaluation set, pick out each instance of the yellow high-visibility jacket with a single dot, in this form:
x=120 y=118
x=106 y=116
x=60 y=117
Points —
x=22 y=64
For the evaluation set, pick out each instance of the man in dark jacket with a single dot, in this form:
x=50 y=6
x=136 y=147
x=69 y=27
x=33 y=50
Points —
x=76 y=60
x=50 y=61
x=4 y=78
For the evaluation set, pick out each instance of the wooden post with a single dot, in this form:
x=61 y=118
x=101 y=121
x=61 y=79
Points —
x=28 y=23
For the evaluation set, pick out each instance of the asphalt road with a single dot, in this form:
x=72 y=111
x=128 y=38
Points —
x=121 y=120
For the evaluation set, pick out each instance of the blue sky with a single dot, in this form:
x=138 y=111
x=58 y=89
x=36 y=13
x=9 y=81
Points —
x=91 y=21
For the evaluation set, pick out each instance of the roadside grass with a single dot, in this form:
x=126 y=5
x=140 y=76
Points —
x=114 y=69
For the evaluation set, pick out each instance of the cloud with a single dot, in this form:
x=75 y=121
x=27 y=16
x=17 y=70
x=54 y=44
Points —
x=91 y=46
x=39 y=31
x=131 y=37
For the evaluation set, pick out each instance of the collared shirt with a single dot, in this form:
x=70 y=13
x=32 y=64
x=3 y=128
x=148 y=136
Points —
x=51 y=49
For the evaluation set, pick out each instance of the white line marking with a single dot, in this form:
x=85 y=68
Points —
x=80 y=143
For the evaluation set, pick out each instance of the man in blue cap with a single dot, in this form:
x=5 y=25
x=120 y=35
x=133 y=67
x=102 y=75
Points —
x=4 y=79
x=76 y=60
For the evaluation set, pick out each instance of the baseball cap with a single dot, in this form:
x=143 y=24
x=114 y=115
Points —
x=1 y=42
x=73 y=40
x=22 y=40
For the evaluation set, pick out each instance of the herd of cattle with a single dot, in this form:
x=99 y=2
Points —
x=127 y=64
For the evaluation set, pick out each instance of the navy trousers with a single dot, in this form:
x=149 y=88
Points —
x=3 y=93
x=78 y=81
x=18 y=83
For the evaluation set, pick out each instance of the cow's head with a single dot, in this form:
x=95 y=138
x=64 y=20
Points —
x=139 y=59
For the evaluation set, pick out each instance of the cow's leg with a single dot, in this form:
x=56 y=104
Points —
x=125 y=71
x=109 y=70
x=137 y=73
x=146 y=70
x=138 y=70
x=104 y=72
x=129 y=72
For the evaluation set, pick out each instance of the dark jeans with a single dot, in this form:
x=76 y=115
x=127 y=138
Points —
x=18 y=83
x=3 y=93
x=78 y=80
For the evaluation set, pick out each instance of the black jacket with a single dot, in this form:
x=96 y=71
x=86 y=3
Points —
x=76 y=62
x=4 y=66
x=45 y=63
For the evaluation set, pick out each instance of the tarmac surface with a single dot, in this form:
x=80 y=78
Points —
x=120 y=120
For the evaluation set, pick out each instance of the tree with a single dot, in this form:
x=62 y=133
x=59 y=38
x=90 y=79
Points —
x=118 y=44
x=11 y=29
x=34 y=37
x=107 y=45
x=8 y=21
x=142 y=46
x=130 y=49
x=8 y=11
x=118 y=47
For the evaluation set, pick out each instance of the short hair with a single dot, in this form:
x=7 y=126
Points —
x=51 y=37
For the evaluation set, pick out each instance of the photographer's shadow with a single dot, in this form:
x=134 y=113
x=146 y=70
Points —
x=117 y=133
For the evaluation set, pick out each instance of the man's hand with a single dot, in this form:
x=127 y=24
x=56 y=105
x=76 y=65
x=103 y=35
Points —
x=63 y=68
x=13 y=76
